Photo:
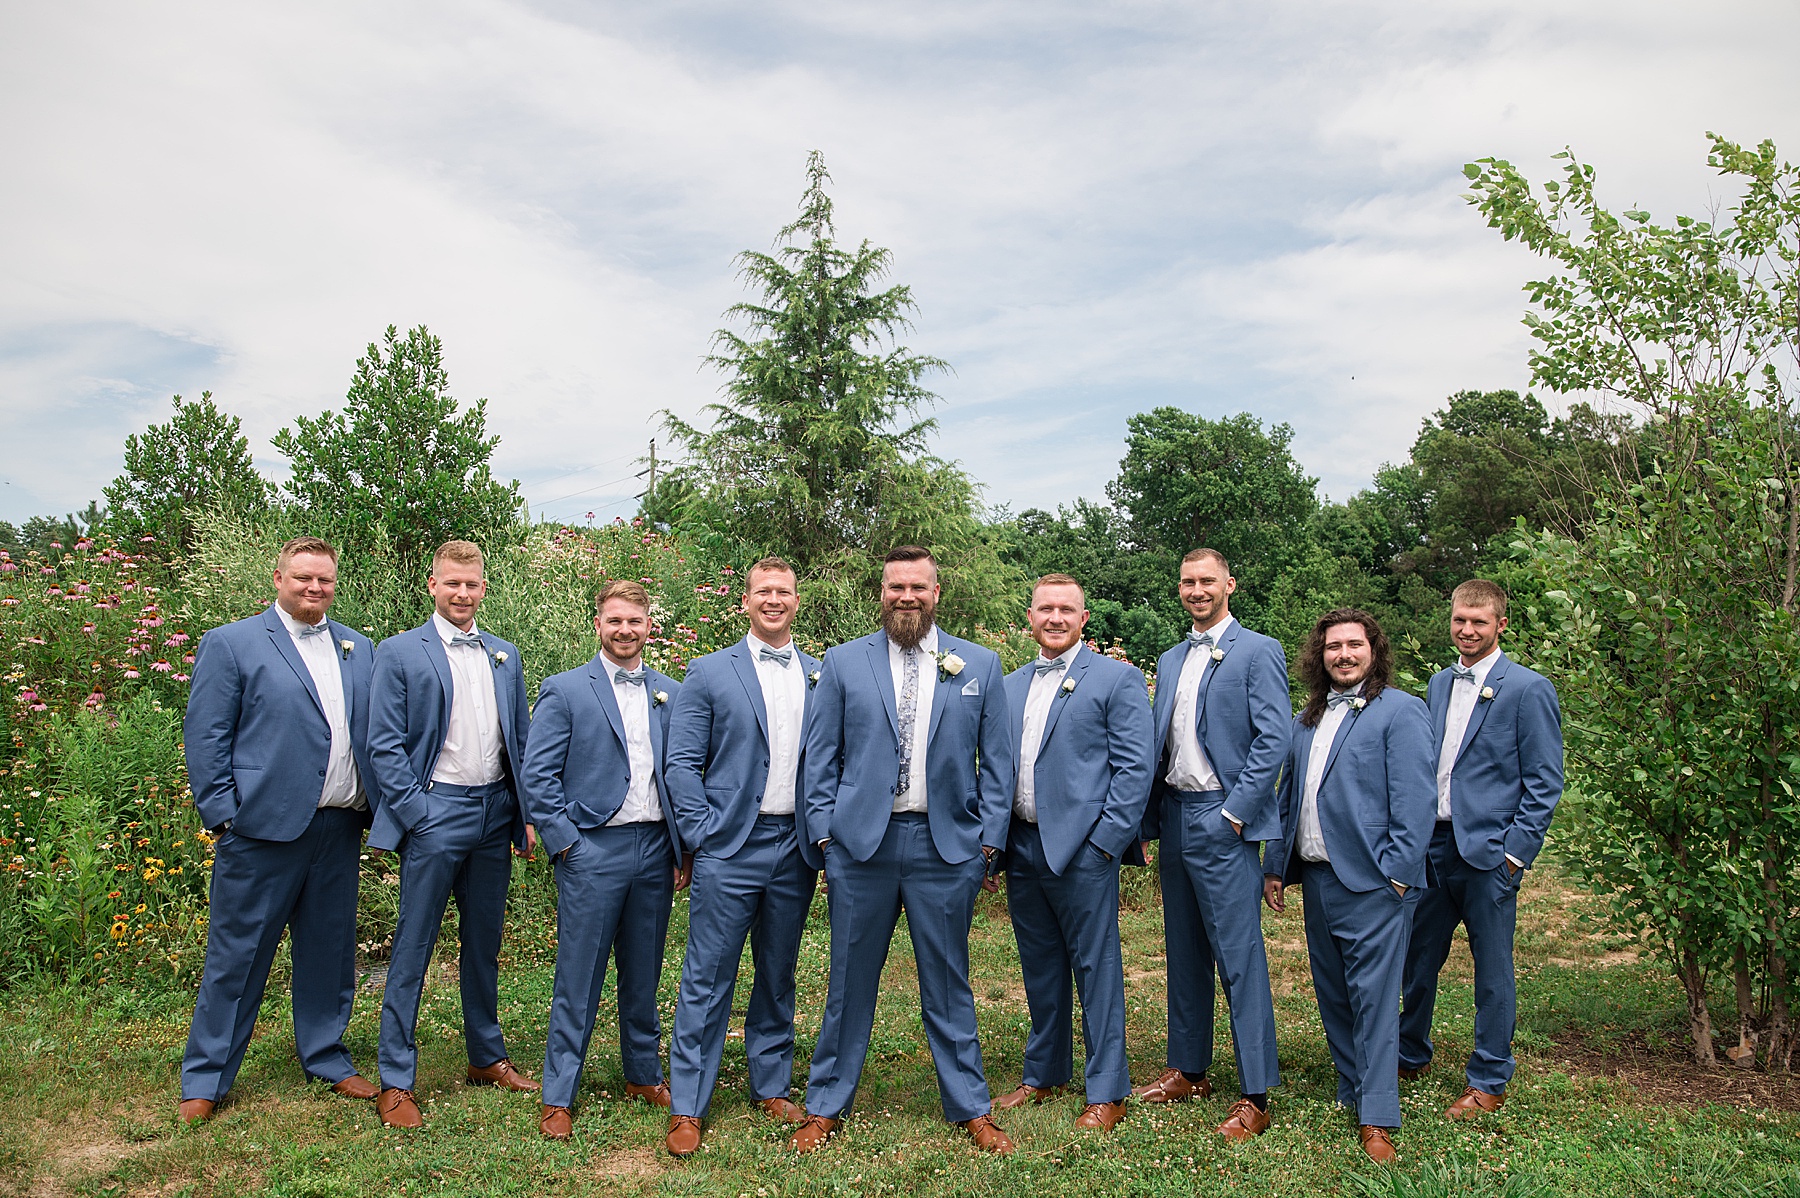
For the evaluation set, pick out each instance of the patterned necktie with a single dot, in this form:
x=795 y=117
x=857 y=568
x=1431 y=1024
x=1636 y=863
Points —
x=779 y=656
x=1044 y=667
x=1462 y=674
x=1203 y=639
x=909 y=711
x=630 y=676
x=1339 y=698
x=319 y=629
x=467 y=638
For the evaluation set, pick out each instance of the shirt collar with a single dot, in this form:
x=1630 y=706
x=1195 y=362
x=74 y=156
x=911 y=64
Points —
x=446 y=630
x=294 y=626
x=928 y=645
x=752 y=642
x=1218 y=630
x=1067 y=656
x=1484 y=666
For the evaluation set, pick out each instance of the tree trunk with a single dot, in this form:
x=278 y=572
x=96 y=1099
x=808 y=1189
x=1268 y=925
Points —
x=1693 y=983
x=1743 y=1055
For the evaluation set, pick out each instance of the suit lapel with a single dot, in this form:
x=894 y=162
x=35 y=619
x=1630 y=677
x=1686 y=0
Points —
x=877 y=647
x=284 y=645
x=746 y=672
x=1168 y=675
x=1018 y=689
x=1438 y=697
x=940 y=693
x=440 y=662
x=345 y=680
x=600 y=675
x=1345 y=731
x=1495 y=675
x=1206 y=679
x=1077 y=669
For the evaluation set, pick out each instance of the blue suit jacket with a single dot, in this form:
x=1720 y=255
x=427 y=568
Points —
x=853 y=751
x=1509 y=771
x=255 y=732
x=1091 y=778
x=1377 y=801
x=409 y=716
x=1246 y=723
x=719 y=753
x=577 y=768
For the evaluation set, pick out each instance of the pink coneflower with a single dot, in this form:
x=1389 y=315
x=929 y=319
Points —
x=161 y=666
x=132 y=674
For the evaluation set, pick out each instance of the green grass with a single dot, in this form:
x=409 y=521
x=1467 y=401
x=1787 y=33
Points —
x=87 y=1098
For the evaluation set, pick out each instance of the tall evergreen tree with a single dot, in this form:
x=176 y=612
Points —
x=198 y=460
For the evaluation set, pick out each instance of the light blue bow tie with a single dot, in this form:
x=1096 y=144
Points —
x=466 y=638
x=630 y=676
x=1200 y=638
x=779 y=656
x=1044 y=667
x=1460 y=674
x=319 y=629
x=1338 y=698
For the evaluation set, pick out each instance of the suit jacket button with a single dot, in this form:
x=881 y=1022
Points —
x=321 y=773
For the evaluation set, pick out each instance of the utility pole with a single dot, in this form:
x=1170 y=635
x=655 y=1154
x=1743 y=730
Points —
x=651 y=489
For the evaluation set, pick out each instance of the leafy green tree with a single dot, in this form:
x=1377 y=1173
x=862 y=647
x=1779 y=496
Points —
x=199 y=459
x=818 y=451
x=1669 y=624
x=400 y=470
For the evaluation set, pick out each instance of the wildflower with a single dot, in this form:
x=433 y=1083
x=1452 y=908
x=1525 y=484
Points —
x=161 y=666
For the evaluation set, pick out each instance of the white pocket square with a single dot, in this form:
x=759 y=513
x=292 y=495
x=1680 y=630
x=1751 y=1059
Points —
x=972 y=687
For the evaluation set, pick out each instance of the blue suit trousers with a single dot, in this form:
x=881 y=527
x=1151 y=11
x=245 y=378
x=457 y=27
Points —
x=1068 y=928
x=1486 y=902
x=613 y=892
x=461 y=847
x=1357 y=944
x=1212 y=917
x=866 y=898
x=762 y=892
x=260 y=888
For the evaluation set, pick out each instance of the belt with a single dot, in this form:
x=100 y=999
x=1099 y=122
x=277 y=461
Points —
x=1194 y=796
x=457 y=790
x=776 y=817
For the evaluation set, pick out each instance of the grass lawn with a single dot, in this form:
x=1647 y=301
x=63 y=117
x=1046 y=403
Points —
x=1604 y=1102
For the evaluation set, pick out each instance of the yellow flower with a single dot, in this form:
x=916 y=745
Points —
x=118 y=931
x=150 y=875
x=140 y=909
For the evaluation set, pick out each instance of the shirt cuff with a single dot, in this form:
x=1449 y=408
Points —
x=1515 y=861
x=1399 y=883
x=1234 y=819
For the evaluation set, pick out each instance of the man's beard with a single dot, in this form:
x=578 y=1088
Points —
x=906 y=627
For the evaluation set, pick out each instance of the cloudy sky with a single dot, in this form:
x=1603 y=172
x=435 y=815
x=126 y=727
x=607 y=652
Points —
x=1100 y=207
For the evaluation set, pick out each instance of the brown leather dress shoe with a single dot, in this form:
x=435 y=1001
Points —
x=555 y=1123
x=1377 y=1144
x=357 y=1086
x=1027 y=1093
x=1173 y=1087
x=813 y=1133
x=657 y=1095
x=987 y=1134
x=195 y=1110
x=684 y=1135
x=501 y=1073
x=1101 y=1116
x=1244 y=1121
x=782 y=1109
x=1413 y=1075
x=1474 y=1103
x=398 y=1108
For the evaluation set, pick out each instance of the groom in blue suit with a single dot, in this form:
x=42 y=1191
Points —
x=595 y=789
x=1497 y=741
x=446 y=740
x=1355 y=816
x=1223 y=723
x=276 y=735
x=735 y=743
x=1082 y=725
x=908 y=792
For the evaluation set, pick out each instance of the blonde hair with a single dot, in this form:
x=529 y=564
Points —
x=1479 y=592
x=300 y=545
x=621 y=588
x=463 y=553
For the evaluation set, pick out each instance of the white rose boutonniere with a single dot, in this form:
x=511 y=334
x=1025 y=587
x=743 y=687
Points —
x=1218 y=654
x=812 y=679
x=1068 y=686
x=499 y=658
x=949 y=665
x=659 y=698
x=1358 y=703
x=1487 y=694
x=347 y=645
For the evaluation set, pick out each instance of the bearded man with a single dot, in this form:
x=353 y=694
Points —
x=908 y=781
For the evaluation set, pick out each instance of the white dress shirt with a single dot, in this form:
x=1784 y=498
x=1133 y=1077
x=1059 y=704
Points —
x=1463 y=697
x=913 y=797
x=1189 y=766
x=1044 y=689
x=784 y=700
x=1309 y=842
x=641 y=805
x=472 y=739
x=343 y=786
